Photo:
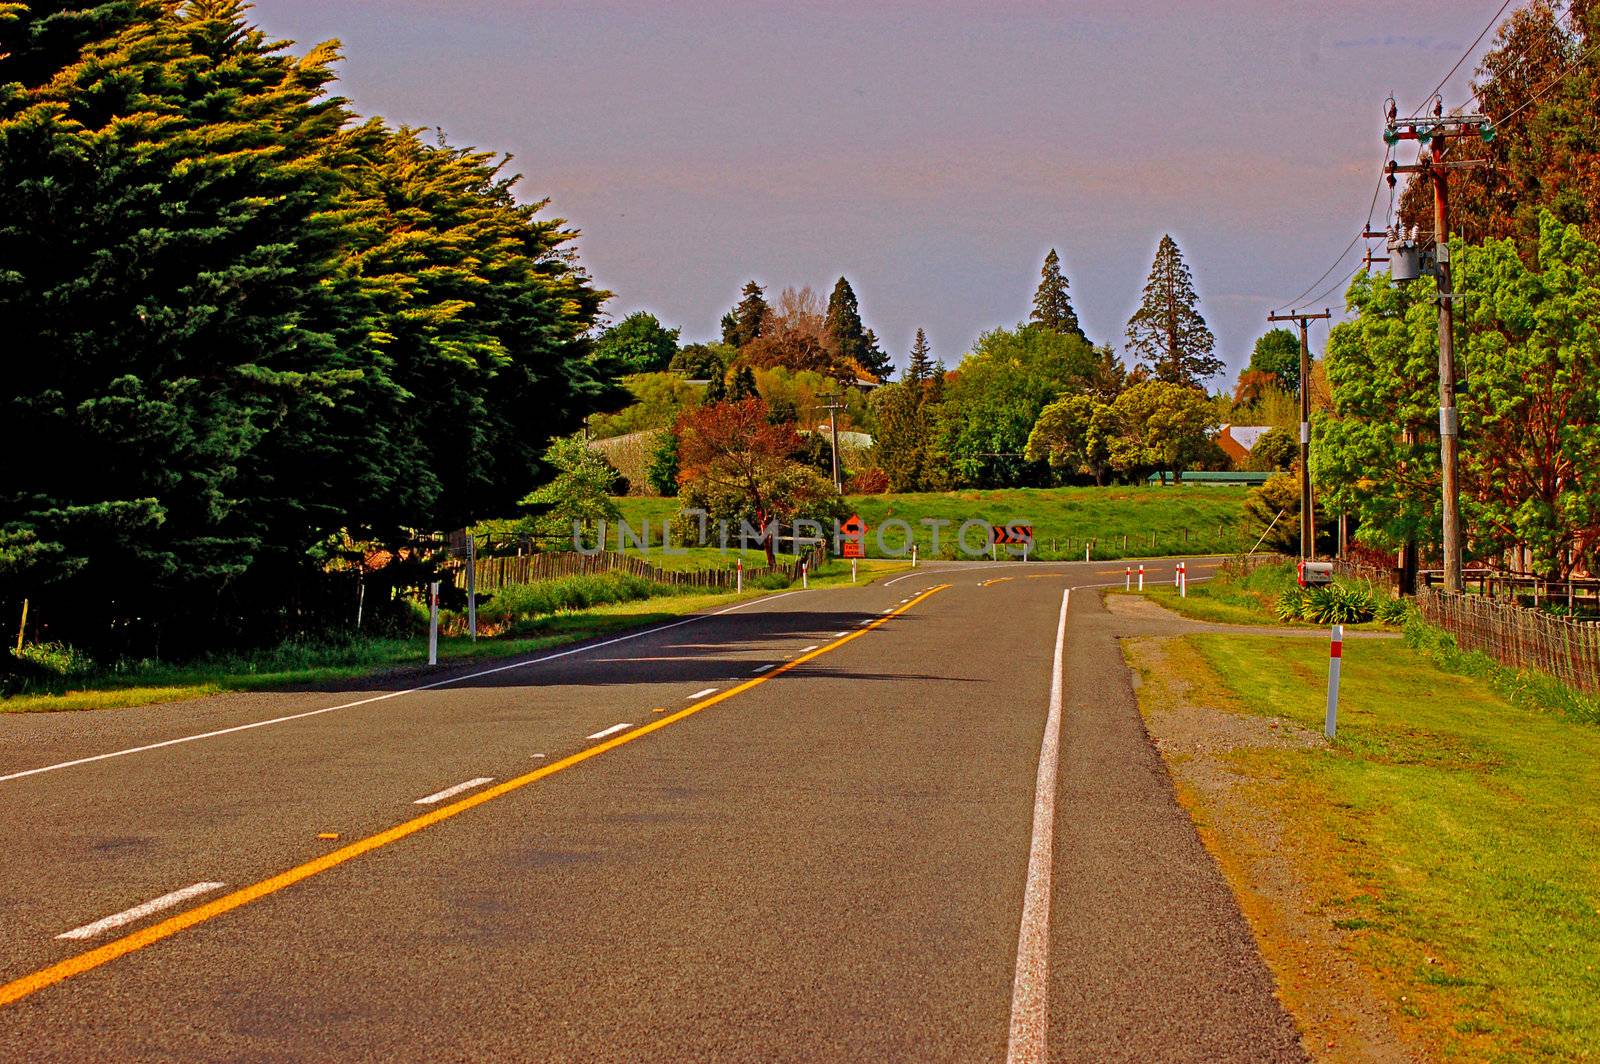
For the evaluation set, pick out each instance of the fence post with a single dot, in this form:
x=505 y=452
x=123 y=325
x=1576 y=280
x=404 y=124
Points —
x=472 y=586
x=1335 y=656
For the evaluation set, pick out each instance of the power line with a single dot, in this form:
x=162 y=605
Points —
x=1552 y=83
x=1493 y=22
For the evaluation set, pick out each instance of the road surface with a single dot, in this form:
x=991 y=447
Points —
x=916 y=820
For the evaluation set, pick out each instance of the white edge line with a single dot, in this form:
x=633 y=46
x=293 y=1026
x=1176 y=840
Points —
x=697 y=694
x=450 y=792
x=603 y=732
x=393 y=694
x=1030 y=1002
x=138 y=912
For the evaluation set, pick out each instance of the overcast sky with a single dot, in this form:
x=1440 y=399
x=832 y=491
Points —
x=931 y=152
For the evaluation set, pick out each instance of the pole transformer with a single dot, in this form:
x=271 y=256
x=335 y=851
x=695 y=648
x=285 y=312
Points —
x=1308 y=548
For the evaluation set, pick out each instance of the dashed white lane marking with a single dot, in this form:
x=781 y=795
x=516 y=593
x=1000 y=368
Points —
x=809 y=649
x=889 y=610
x=1030 y=1002
x=702 y=694
x=395 y=694
x=601 y=734
x=451 y=792
x=864 y=623
x=764 y=668
x=538 y=755
x=839 y=635
x=139 y=912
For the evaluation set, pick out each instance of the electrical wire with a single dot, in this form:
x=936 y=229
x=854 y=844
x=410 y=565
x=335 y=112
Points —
x=1372 y=209
x=1552 y=83
x=1493 y=22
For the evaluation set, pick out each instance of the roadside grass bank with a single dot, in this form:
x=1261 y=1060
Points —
x=337 y=658
x=1446 y=844
x=1189 y=520
x=1253 y=600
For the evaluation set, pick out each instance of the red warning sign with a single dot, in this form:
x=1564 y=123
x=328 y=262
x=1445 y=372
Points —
x=852 y=538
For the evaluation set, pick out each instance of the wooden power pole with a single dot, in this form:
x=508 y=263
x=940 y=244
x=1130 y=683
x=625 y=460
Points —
x=1308 y=547
x=1433 y=134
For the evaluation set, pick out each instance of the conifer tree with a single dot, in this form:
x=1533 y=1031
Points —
x=1052 y=307
x=1167 y=332
x=748 y=320
x=850 y=345
x=920 y=368
x=743 y=385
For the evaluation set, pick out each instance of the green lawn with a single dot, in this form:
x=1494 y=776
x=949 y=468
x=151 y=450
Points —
x=1455 y=836
x=1189 y=520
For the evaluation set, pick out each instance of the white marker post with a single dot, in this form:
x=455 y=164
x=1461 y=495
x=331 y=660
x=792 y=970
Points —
x=1183 y=579
x=804 y=581
x=1086 y=552
x=913 y=556
x=1127 y=578
x=433 y=623
x=1141 y=576
x=739 y=577
x=1335 y=656
x=853 y=570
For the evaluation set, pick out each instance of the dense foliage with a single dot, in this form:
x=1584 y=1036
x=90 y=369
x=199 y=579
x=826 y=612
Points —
x=246 y=327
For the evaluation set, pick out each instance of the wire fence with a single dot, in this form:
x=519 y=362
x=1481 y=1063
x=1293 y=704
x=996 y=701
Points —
x=1518 y=637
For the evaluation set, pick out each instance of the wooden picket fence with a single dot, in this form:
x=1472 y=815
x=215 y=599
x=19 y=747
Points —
x=497 y=572
x=1518 y=637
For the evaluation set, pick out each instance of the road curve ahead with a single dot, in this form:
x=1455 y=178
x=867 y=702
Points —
x=916 y=820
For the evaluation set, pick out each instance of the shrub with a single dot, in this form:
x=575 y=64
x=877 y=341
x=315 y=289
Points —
x=54 y=659
x=1290 y=602
x=1337 y=604
x=1393 y=611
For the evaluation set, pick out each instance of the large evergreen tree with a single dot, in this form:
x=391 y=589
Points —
x=1052 y=307
x=850 y=344
x=748 y=320
x=1167 y=332
x=242 y=329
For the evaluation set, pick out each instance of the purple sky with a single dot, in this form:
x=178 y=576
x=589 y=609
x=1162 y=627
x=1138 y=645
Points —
x=931 y=152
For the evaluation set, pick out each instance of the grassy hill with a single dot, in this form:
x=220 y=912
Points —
x=1187 y=520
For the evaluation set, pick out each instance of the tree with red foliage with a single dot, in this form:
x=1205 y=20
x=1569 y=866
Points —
x=736 y=465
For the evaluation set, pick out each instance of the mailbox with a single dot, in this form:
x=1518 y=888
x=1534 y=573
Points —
x=1312 y=573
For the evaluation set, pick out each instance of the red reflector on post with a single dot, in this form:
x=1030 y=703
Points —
x=1337 y=650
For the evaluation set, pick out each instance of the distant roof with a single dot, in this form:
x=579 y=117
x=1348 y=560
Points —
x=1200 y=477
x=1246 y=435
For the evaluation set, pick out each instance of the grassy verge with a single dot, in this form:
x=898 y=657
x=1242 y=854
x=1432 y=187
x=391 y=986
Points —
x=330 y=662
x=1190 y=520
x=1449 y=839
x=1250 y=599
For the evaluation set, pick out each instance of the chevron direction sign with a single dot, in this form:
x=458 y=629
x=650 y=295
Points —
x=1012 y=534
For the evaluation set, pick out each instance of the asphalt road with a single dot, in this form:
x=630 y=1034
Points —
x=810 y=828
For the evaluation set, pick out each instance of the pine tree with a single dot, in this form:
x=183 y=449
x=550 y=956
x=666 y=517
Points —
x=920 y=368
x=849 y=344
x=1052 y=307
x=743 y=386
x=748 y=320
x=1167 y=331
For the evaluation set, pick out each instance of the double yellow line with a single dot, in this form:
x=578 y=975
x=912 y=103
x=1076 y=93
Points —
x=62 y=970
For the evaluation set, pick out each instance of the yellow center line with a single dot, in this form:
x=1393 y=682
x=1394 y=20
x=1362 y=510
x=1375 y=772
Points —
x=172 y=925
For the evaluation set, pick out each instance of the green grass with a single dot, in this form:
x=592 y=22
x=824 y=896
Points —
x=1445 y=823
x=1225 y=599
x=318 y=663
x=1183 y=520
x=308 y=663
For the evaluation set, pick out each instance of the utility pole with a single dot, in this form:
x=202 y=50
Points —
x=833 y=428
x=1433 y=133
x=1308 y=547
